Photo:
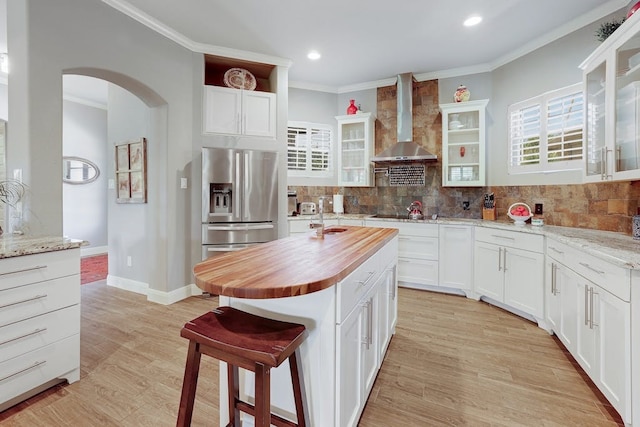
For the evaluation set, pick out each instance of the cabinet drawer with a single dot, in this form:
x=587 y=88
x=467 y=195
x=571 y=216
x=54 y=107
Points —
x=418 y=247
x=355 y=285
x=38 y=331
x=614 y=279
x=21 y=374
x=418 y=271
x=416 y=229
x=27 y=301
x=512 y=239
x=22 y=270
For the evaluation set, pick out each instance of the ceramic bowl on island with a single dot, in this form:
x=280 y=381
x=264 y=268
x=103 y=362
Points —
x=519 y=213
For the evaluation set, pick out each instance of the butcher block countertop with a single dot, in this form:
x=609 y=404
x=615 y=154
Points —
x=292 y=266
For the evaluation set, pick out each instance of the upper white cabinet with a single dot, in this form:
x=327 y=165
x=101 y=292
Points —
x=463 y=143
x=239 y=112
x=612 y=90
x=356 y=137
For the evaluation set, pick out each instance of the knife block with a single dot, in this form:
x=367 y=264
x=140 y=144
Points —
x=489 y=213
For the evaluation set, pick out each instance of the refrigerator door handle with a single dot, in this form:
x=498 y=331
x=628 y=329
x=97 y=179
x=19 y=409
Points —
x=237 y=194
x=241 y=227
x=245 y=192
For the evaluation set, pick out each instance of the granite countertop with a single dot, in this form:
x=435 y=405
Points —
x=16 y=245
x=617 y=248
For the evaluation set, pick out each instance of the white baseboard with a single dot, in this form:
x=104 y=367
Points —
x=167 y=298
x=153 y=295
x=128 y=284
x=96 y=250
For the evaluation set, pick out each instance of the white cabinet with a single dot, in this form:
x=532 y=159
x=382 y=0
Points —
x=456 y=256
x=356 y=139
x=509 y=268
x=463 y=144
x=611 y=82
x=39 y=322
x=239 y=112
x=594 y=319
x=365 y=321
x=417 y=252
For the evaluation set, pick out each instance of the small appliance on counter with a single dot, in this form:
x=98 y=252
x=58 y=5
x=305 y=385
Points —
x=292 y=203
x=307 y=208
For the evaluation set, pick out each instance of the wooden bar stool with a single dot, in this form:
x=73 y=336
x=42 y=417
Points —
x=247 y=341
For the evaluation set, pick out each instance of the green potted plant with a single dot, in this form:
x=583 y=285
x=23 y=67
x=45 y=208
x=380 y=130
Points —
x=11 y=192
x=607 y=28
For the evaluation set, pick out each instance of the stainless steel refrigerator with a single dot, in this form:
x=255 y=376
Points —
x=239 y=199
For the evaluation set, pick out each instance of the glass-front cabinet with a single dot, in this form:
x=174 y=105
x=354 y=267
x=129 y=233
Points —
x=612 y=122
x=356 y=138
x=463 y=144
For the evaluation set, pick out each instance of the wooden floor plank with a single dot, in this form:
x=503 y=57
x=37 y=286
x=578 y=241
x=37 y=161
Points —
x=452 y=362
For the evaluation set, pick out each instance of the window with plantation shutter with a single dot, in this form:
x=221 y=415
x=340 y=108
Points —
x=309 y=149
x=546 y=132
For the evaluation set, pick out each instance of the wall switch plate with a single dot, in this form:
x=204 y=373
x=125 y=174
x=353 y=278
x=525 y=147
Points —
x=183 y=182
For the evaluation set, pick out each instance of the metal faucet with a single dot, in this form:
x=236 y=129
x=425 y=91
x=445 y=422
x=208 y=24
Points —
x=319 y=226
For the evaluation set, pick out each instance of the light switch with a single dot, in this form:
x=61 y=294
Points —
x=183 y=182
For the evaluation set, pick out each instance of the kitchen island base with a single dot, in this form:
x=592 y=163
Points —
x=349 y=326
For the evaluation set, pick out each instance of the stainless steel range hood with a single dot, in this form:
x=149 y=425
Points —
x=405 y=150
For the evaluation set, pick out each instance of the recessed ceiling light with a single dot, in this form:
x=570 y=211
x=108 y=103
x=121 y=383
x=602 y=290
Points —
x=473 y=20
x=314 y=55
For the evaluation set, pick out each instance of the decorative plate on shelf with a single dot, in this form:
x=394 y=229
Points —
x=239 y=78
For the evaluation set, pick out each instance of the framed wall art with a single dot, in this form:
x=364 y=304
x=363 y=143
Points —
x=131 y=171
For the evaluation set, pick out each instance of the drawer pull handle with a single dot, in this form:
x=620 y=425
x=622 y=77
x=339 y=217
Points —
x=37 y=297
x=35 y=365
x=585 y=265
x=24 y=270
x=503 y=237
x=37 y=331
x=364 y=282
x=556 y=250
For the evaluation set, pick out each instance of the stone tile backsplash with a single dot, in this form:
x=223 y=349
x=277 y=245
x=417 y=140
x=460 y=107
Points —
x=602 y=206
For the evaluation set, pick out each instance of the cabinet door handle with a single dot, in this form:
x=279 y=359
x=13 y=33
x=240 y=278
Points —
x=585 y=265
x=37 y=297
x=499 y=259
x=35 y=365
x=370 y=333
x=504 y=261
x=24 y=270
x=503 y=237
x=239 y=123
x=586 y=305
x=591 y=322
x=365 y=338
x=553 y=278
x=28 y=334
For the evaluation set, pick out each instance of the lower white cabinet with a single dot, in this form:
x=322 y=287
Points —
x=592 y=317
x=509 y=268
x=417 y=252
x=456 y=256
x=39 y=322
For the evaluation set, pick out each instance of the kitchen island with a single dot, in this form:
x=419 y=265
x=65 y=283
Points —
x=342 y=287
x=39 y=315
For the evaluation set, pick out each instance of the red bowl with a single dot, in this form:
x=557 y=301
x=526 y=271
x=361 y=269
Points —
x=633 y=9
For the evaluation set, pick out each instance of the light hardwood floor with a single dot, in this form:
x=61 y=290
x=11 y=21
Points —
x=452 y=362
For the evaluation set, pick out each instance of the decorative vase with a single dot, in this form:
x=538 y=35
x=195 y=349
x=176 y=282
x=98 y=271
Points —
x=633 y=9
x=462 y=94
x=352 y=109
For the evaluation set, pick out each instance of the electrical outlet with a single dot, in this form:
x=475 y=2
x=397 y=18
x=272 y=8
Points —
x=465 y=205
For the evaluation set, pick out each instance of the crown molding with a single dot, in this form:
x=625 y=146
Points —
x=179 y=38
x=569 y=27
x=83 y=101
x=605 y=9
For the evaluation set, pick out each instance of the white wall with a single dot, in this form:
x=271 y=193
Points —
x=85 y=205
x=48 y=39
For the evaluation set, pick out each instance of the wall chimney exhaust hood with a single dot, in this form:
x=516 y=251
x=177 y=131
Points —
x=405 y=150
